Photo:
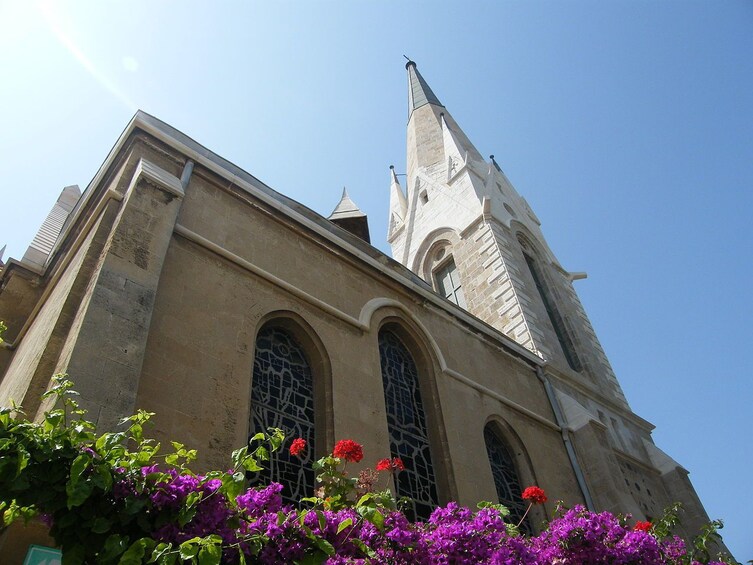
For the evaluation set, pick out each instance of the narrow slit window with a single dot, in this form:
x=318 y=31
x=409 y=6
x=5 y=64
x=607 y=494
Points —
x=566 y=343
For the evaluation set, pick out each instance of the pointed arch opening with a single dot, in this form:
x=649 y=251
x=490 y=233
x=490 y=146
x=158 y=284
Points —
x=506 y=475
x=288 y=391
x=559 y=325
x=407 y=423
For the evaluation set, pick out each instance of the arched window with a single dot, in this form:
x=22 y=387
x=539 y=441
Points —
x=558 y=323
x=448 y=283
x=282 y=396
x=505 y=476
x=406 y=420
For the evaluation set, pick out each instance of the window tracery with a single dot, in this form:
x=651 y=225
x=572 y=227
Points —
x=282 y=396
x=408 y=430
x=506 y=478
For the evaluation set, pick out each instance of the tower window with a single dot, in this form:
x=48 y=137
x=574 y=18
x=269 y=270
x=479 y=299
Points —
x=555 y=317
x=448 y=283
x=282 y=396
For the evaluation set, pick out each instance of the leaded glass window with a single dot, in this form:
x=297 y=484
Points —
x=505 y=478
x=282 y=396
x=406 y=420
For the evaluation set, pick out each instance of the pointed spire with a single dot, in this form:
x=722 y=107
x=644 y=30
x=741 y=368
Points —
x=349 y=216
x=419 y=92
x=346 y=208
x=398 y=202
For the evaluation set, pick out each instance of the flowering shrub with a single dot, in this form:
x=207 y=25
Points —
x=534 y=494
x=116 y=499
x=348 y=450
x=297 y=447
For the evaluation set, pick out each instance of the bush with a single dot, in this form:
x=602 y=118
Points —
x=116 y=498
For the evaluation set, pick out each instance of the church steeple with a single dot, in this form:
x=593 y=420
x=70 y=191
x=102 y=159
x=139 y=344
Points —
x=419 y=92
x=464 y=228
x=435 y=141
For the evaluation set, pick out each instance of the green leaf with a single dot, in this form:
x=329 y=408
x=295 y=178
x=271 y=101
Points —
x=101 y=525
x=250 y=464
x=257 y=437
x=78 y=493
x=185 y=515
x=160 y=551
x=322 y=521
x=134 y=555
x=363 y=547
x=344 y=524
x=114 y=545
x=188 y=549
x=78 y=466
x=210 y=555
x=324 y=545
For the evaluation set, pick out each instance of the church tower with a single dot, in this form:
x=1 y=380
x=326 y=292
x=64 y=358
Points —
x=462 y=227
x=465 y=229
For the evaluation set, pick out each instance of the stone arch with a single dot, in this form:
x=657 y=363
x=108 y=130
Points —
x=434 y=241
x=291 y=388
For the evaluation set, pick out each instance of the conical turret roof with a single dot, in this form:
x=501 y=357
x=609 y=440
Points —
x=419 y=93
x=346 y=208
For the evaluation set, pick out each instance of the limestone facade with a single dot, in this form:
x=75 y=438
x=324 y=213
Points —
x=173 y=260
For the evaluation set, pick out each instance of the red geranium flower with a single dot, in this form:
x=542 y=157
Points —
x=297 y=447
x=393 y=465
x=535 y=495
x=642 y=526
x=349 y=450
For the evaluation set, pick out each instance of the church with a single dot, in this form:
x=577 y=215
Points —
x=180 y=284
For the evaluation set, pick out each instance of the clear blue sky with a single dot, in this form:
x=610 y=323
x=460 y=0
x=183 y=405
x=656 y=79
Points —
x=627 y=125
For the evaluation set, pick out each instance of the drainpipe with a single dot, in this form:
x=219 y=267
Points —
x=560 y=418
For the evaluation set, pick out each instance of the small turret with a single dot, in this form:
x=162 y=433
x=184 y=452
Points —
x=398 y=204
x=348 y=216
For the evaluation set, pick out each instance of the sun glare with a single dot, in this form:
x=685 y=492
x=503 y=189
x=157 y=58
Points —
x=51 y=18
x=17 y=19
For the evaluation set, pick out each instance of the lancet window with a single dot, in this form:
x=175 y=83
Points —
x=563 y=336
x=448 y=283
x=408 y=430
x=506 y=478
x=282 y=396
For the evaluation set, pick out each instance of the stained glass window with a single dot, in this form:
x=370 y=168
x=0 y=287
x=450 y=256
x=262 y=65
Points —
x=406 y=420
x=505 y=478
x=282 y=396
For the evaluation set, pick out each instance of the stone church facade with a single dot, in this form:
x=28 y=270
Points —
x=180 y=284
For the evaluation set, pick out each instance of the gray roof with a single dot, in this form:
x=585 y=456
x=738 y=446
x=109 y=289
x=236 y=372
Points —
x=419 y=92
x=346 y=208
